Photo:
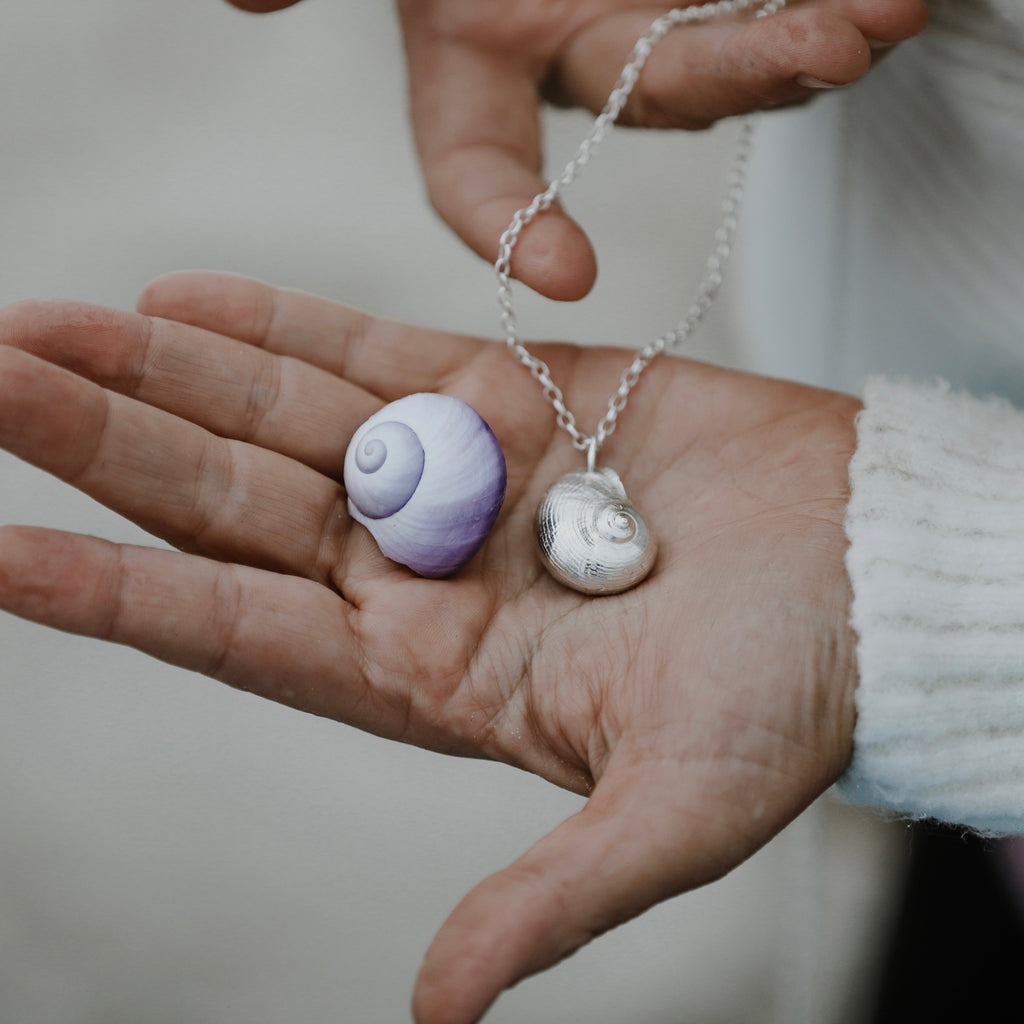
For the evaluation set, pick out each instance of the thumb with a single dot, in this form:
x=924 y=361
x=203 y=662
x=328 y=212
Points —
x=475 y=119
x=631 y=846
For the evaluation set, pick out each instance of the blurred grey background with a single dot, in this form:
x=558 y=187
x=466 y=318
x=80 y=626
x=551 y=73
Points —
x=171 y=851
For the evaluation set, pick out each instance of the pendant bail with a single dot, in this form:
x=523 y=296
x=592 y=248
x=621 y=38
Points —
x=591 y=454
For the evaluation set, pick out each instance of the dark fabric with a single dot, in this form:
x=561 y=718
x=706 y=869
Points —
x=957 y=950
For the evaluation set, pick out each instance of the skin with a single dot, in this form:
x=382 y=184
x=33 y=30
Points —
x=699 y=713
x=480 y=70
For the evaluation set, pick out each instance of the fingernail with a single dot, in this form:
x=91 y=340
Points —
x=815 y=83
x=879 y=45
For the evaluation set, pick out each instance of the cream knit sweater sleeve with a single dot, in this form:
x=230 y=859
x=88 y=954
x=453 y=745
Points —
x=936 y=560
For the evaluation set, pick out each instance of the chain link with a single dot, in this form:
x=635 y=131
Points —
x=716 y=261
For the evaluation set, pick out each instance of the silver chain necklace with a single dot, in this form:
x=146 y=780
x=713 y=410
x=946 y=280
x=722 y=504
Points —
x=590 y=537
x=425 y=474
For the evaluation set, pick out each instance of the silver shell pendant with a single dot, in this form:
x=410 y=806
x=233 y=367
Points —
x=426 y=476
x=591 y=538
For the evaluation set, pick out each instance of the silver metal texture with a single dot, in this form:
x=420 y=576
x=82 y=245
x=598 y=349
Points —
x=591 y=539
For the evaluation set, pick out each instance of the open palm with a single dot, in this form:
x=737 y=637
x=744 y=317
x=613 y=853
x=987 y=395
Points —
x=700 y=712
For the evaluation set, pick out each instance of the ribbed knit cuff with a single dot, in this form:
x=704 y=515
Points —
x=936 y=561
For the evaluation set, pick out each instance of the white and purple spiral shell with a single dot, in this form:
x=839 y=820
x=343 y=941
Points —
x=426 y=476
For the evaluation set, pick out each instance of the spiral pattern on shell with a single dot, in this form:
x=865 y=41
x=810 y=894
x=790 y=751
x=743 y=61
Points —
x=426 y=476
x=591 y=538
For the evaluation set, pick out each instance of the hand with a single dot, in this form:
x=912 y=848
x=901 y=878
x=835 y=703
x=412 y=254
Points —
x=699 y=712
x=478 y=70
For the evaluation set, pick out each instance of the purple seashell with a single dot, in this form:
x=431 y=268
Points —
x=426 y=476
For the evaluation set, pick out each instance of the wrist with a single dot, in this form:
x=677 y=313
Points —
x=838 y=669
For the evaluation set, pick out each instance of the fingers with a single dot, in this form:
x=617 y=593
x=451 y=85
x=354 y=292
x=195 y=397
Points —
x=176 y=480
x=474 y=101
x=384 y=357
x=475 y=120
x=628 y=848
x=703 y=72
x=883 y=23
x=282 y=637
x=230 y=388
